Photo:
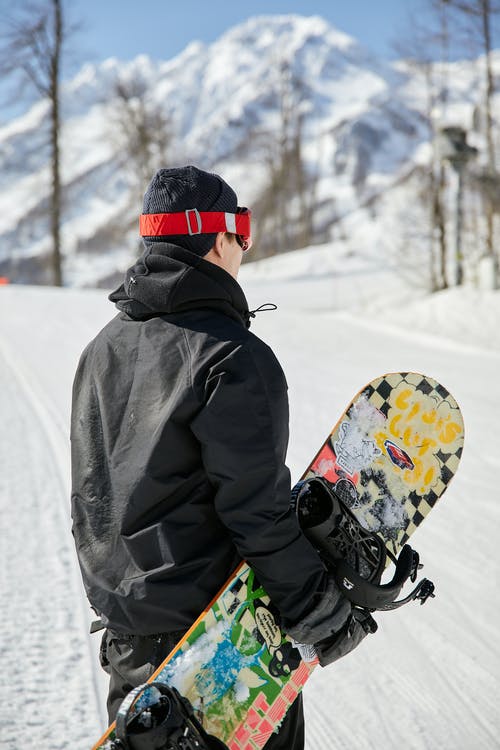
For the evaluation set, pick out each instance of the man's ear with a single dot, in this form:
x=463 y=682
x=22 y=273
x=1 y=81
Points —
x=219 y=246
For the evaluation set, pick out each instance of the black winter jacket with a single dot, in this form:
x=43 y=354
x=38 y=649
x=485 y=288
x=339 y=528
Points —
x=179 y=432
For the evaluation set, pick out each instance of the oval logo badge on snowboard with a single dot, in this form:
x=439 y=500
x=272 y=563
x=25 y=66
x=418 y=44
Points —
x=398 y=456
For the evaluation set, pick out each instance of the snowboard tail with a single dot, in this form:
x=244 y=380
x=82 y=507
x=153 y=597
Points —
x=389 y=459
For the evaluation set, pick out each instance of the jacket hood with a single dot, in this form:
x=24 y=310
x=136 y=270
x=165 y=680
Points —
x=170 y=279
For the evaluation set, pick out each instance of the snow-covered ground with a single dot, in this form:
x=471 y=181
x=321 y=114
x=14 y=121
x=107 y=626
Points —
x=430 y=678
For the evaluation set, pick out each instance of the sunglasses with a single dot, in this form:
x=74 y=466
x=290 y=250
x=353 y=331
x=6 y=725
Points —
x=244 y=240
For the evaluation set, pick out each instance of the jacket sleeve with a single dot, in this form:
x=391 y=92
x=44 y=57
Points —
x=243 y=432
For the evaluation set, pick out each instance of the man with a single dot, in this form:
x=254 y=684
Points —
x=179 y=435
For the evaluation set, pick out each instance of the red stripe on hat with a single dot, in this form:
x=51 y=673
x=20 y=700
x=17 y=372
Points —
x=191 y=222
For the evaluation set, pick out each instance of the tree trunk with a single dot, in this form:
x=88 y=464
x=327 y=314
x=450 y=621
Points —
x=55 y=208
x=486 y=12
x=440 y=223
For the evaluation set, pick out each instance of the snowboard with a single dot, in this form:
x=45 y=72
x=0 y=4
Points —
x=390 y=457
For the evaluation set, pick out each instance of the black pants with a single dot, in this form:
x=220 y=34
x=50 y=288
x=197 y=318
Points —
x=130 y=660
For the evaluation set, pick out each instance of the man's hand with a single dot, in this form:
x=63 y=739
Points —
x=325 y=620
x=334 y=626
x=359 y=624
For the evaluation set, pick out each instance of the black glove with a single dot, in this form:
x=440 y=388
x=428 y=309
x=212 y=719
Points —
x=334 y=627
x=358 y=625
x=328 y=617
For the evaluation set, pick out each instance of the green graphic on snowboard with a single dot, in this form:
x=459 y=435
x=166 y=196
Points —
x=389 y=458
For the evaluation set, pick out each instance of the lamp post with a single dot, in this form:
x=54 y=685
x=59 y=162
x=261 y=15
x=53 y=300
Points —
x=454 y=148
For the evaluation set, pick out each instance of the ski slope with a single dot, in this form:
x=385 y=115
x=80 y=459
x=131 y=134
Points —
x=430 y=678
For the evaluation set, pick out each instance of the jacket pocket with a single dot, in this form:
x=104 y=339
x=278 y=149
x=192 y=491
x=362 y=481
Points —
x=147 y=550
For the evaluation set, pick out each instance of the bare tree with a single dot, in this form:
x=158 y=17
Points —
x=142 y=130
x=475 y=18
x=285 y=207
x=428 y=39
x=31 y=49
x=445 y=26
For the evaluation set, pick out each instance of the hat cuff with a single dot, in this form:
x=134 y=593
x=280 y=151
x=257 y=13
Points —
x=199 y=245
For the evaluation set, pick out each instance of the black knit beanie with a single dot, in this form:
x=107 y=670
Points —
x=179 y=189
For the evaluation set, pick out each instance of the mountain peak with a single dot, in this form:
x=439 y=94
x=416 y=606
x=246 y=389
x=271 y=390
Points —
x=228 y=105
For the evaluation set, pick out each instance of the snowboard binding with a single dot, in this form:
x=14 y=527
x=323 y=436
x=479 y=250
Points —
x=168 y=723
x=355 y=557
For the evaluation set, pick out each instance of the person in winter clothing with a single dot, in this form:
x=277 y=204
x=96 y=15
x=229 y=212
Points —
x=179 y=433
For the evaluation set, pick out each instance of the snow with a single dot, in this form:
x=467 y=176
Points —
x=361 y=126
x=366 y=140
x=430 y=677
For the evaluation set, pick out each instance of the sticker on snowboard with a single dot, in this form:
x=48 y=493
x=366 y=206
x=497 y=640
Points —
x=389 y=458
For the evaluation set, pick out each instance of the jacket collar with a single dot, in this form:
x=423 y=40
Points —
x=169 y=279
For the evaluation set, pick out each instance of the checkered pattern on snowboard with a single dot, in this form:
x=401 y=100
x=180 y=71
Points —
x=379 y=391
x=382 y=394
x=246 y=717
x=423 y=505
x=234 y=597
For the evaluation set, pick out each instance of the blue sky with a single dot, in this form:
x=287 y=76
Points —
x=162 y=28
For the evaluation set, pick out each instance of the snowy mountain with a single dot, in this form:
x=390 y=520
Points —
x=430 y=677
x=362 y=123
